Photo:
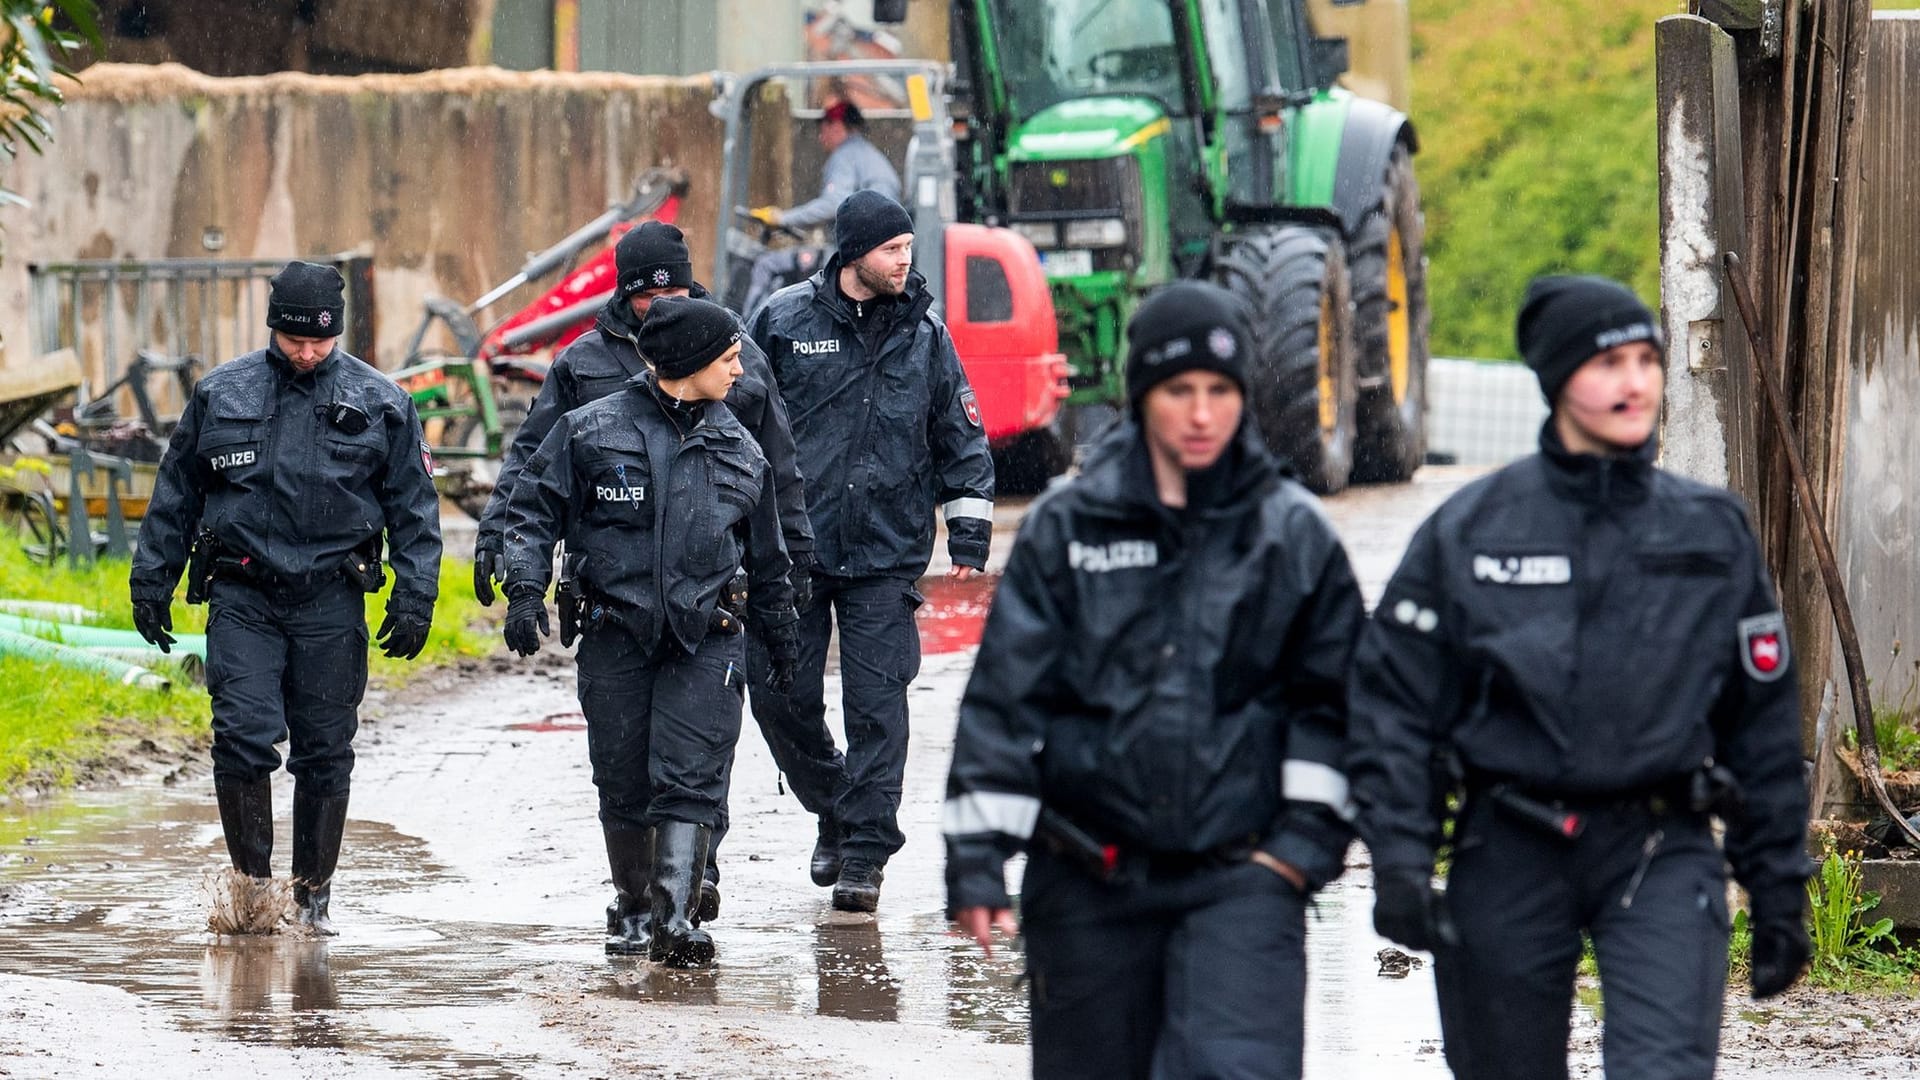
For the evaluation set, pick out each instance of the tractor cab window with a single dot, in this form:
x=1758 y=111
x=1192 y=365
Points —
x=1226 y=29
x=1289 y=66
x=1070 y=49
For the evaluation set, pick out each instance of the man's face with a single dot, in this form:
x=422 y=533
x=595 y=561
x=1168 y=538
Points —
x=1613 y=400
x=305 y=353
x=642 y=301
x=832 y=133
x=1190 y=418
x=712 y=382
x=883 y=271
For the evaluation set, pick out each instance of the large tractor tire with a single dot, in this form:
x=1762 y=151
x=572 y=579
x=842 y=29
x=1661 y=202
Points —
x=1388 y=259
x=1294 y=280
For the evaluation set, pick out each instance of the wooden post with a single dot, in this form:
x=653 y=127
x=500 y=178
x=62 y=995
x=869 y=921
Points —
x=1709 y=432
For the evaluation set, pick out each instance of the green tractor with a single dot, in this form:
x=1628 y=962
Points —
x=1139 y=141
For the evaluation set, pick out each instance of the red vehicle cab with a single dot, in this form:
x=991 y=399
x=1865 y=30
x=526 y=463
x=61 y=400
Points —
x=1000 y=312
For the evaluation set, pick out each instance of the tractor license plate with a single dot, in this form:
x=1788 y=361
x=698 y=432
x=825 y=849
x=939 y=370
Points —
x=1067 y=263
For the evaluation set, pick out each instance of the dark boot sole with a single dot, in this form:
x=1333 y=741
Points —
x=856 y=899
x=686 y=954
x=709 y=908
x=627 y=947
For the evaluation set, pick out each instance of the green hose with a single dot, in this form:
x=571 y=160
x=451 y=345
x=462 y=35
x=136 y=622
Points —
x=18 y=644
x=97 y=636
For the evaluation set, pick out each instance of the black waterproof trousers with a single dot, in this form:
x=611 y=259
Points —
x=287 y=665
x=879 y=657
x=1649 y=888
x=1194 y=974
x=661 y=725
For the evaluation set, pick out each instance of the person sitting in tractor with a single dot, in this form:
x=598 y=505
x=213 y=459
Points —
x=853 y=164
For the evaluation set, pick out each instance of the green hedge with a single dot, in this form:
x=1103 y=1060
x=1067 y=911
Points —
x=1537 y=129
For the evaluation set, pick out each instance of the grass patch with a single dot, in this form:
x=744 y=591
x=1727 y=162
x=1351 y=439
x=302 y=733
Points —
x=1849 y=951
x=55 y=721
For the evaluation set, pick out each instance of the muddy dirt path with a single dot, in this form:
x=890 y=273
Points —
x=469 y=899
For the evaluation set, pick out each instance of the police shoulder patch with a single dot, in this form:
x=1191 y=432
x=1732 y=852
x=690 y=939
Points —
x=970 y=406
x=1763 y=646
x=426 y=457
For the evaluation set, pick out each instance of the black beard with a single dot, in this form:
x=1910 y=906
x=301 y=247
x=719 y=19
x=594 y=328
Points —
x=876 y=283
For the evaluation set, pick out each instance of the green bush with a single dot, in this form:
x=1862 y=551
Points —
x=1537 y=127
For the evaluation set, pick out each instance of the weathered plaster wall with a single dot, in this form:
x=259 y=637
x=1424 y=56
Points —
x=449 y=178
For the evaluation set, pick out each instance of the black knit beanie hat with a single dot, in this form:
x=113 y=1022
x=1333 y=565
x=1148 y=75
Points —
x=1564 y=321
x=865 y=220
x=1185 y=326
x=307 y=300
x=652 y=255
x=681 y=335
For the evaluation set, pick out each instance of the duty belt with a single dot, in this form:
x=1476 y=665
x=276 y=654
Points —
x=1111 y=862
x=1710 y=789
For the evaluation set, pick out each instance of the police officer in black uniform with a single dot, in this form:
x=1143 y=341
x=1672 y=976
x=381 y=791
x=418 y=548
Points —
x=652 y=261
x=287 y=467
x=1593 y=653
x=660 y=493
x=887 y=429
x=1158 y=715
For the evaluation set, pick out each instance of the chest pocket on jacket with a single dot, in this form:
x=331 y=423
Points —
x=1678 y=590
x=622 y=494
x=735 y=482
x=230 y=448
x=356 y=456
x=595 y=383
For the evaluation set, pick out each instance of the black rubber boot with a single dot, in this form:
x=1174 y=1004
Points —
x=825 y=867
x=246 y=816
x=318 y=822
x=859 y=886
x=629 y=917
x=679 y=864
x=708 y=909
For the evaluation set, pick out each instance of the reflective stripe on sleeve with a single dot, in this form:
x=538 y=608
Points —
x=969 y=508
x=1310 y=781
x=990 y=811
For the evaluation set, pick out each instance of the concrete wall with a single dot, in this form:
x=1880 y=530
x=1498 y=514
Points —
x=1879 y=542
x=449 y=178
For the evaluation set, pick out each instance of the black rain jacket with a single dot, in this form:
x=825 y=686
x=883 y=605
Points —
x=1584 y=625
x=662 y=504
x=601 y=361
x=1171 y=681
x=886 y=425
x=259 y=459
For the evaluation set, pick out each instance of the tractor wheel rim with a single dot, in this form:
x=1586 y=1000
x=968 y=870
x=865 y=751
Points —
x=1399 y=318
x=1329 y=407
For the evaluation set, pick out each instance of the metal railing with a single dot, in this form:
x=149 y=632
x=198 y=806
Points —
x=1483 y=412
x=107 y=310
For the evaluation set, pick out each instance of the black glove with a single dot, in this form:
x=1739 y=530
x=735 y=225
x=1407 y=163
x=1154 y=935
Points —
x=801 y=576
x=526 y=620
x=403 y=633
x=489 y=566
x=153 y=618
x=1405 y=909
x=1780 y=951
x=783 y=658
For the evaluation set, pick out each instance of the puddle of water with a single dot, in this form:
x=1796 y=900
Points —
x=955 y=612
x=115 y=898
